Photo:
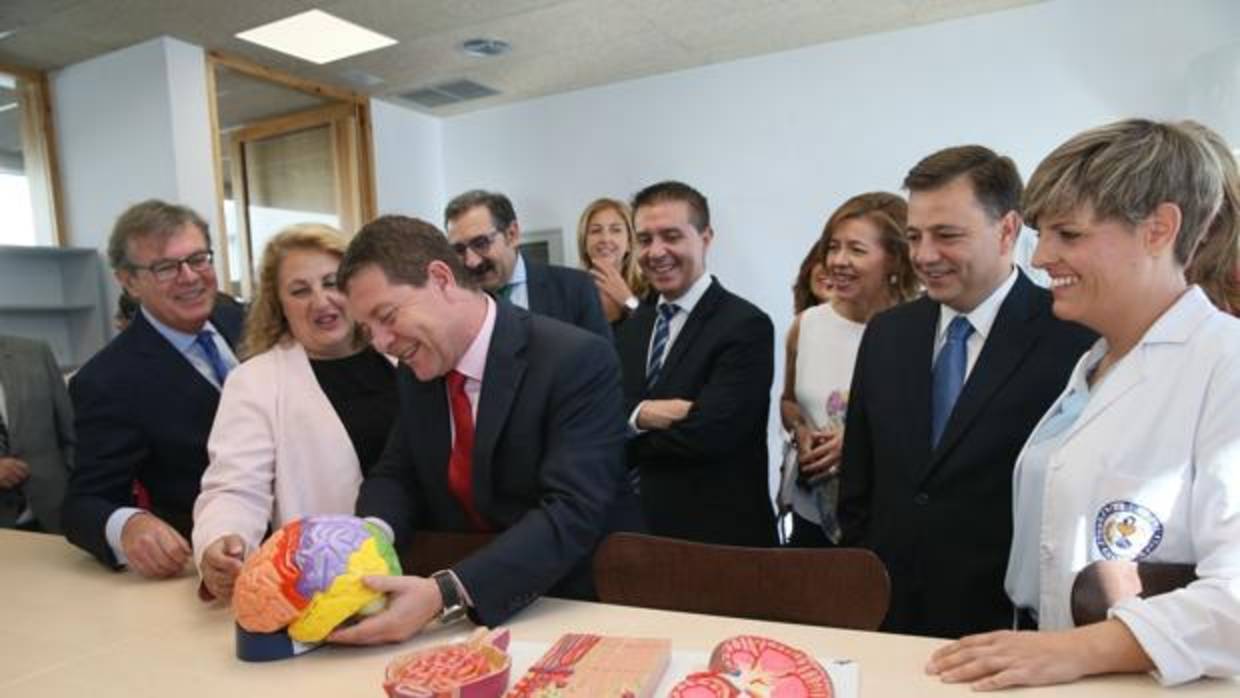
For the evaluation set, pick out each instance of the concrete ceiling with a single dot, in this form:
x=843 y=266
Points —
x=558 y=45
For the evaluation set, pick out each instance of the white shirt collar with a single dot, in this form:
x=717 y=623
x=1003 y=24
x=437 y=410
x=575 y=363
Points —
x=183 y=341
x=690 y=298
x=518 y=272
x=982 y=318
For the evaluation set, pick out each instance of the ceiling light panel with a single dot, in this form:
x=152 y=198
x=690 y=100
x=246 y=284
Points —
x=316 y=36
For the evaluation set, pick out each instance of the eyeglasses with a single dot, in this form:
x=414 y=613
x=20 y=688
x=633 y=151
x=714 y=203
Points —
x=166 y=270
x=479 y=244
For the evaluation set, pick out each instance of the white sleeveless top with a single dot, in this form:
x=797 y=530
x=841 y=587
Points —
x=826 y=351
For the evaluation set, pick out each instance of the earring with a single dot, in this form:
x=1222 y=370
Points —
x=894 y=279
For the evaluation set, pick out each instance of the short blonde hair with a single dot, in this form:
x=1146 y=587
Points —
x=1124 y=171
x=266 y=324
x=628 y=266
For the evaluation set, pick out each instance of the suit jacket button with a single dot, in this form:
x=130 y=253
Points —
x=921 y=498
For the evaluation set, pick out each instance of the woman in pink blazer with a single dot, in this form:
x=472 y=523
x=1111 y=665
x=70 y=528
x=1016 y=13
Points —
x=301 y=419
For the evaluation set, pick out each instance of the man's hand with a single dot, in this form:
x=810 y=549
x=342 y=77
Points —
x=661 y=414
x=13 y=472
x=154 y=548
x=819 y=454
x=412 y=603
x=221 y=563
x=610 y=282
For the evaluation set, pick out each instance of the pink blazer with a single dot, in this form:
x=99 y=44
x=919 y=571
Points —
x=277 y=451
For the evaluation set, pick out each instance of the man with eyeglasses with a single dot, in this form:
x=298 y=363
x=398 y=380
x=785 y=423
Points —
x=145 y=403
x=483 y=230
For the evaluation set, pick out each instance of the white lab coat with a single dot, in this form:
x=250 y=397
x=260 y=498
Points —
x=1150 y=471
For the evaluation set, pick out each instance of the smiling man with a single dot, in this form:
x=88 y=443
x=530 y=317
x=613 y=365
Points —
x=945 y=391
x=509 y=423
x=145 y=403
x=697 y=367
x=484 y=232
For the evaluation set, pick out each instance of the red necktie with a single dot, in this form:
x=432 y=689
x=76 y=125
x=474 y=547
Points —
x=460 y=465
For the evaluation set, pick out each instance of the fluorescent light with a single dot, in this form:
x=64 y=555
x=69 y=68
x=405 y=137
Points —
x=316 y=36
x=6 y=107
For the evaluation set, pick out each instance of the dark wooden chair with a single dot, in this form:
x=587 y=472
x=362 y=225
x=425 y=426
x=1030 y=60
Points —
x=432 y=551
x=1104 y=583
x=844 y=587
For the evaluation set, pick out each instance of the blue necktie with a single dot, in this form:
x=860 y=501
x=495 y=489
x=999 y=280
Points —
x=948 y=376
x=662 y=329
x=206 y=342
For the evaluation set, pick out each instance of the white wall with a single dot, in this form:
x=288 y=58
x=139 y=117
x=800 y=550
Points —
x=131 y=125
x=776 y=142
x=408 y=161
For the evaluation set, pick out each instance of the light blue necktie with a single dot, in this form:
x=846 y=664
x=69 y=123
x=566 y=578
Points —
x=948 y=376
x=662 y=329
x=206 y=342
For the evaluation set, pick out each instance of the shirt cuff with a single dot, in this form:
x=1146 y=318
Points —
x=113 y=529
x=634 y=430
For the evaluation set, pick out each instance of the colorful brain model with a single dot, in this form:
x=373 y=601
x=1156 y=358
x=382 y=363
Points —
x=748 y=665
x=307 y=577
x=477 y=668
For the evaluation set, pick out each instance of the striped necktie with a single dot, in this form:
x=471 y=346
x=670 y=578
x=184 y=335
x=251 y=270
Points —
x=662 y=330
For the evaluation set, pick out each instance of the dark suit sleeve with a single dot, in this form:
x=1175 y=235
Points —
x=580 y=470
x=857 y=464
x=387 y=492
x=589 y=308
x=109 y=451
x=737 y=390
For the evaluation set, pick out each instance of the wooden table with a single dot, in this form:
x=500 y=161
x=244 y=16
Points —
x=73 y=628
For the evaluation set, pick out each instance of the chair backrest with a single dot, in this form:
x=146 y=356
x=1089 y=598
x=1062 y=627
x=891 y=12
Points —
x=841 y=587
x=432 y=551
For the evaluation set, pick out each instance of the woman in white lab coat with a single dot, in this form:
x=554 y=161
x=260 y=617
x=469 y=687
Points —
x=1139 y=458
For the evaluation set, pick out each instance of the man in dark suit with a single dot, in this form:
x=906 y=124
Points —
x=697 y=368
x=483 y=229
x=145 y=403
x=945 y=391
x=36 y=436
x=542 y=468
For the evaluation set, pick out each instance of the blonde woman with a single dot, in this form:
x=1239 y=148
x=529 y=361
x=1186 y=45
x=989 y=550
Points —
x=1139 y=458
x=605 y=245
x=301 y=419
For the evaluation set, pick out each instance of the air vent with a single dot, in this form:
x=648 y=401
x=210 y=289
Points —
x=447 y=93
x=485 y=48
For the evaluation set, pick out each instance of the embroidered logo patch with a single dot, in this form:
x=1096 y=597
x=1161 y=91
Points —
x=1126 y=530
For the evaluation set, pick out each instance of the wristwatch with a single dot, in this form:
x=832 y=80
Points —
x=631 y=303
x=454 y=608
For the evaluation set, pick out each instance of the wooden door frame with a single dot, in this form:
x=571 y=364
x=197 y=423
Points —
x=349 y=105
x=38 y=121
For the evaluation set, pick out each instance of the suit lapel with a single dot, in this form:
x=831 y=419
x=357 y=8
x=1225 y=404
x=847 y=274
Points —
x=1011 y=337
x=536 y=288
x=917 y=352
x=11 y=379
x=433 y=432
x=636 y=353
x=165 y=358
x=693 y=326
x=504 y=368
